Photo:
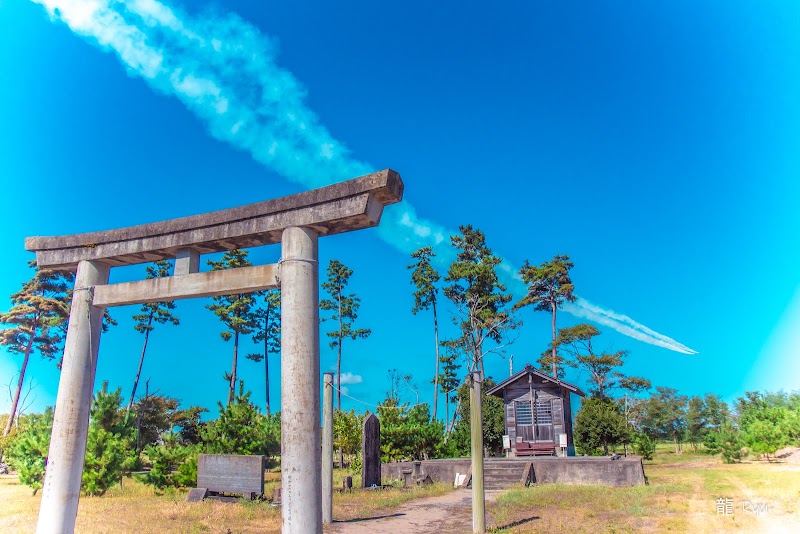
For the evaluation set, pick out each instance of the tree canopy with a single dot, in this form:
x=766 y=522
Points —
x=343 y=308
x=479 y=297
x=424 y=277
x=36 y=322
x=234 y=311
x=549 y=286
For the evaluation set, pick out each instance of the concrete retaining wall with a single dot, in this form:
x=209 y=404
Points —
x=571 y=470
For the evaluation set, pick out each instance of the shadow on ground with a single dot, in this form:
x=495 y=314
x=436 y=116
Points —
x=361 y=519
x=517 y=523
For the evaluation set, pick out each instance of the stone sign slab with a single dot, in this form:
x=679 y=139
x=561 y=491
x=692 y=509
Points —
x=231 y=473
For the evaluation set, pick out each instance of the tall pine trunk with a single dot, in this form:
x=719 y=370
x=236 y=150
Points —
x=446 y=409
x=141 y=363
x=266 y=378
x=555 y=369
x=266 y=360
x=232 y=387
x=339 y=360
x=435 y=376
x=18 y=392
x=339 y=376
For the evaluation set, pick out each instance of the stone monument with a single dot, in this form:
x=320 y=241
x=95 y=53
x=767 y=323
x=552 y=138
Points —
x=371 y=452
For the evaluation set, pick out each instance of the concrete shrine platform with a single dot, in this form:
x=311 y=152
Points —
x=626 y=471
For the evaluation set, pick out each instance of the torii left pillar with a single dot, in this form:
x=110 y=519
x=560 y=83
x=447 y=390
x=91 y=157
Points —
x=62 y=482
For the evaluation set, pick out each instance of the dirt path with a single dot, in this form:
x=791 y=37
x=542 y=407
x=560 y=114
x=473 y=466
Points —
x=698 y=507
x=451 y=512
x=770 y=517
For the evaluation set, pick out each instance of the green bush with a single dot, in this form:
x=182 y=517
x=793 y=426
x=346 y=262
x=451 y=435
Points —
x=173 y=464
x=408 y=433
x=110 y=446
x=27 y=450
x=598 y=426
x=644 y=446
x=242 y=429
x=725 y=441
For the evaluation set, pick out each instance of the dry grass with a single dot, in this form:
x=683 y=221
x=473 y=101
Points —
x=681 y=497
x=137 y=508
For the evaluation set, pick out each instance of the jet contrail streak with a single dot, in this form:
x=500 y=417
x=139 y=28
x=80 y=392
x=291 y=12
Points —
x=225 y=71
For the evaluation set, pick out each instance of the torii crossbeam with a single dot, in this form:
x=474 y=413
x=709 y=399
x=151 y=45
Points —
x=296 y=222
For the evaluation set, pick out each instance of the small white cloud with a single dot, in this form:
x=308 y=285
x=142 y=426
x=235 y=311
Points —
x=350 y=378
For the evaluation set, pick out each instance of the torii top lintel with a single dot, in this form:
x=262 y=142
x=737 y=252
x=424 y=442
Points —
x=342 y=207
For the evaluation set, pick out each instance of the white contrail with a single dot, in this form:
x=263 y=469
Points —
x=225 y=71
x=624 y=325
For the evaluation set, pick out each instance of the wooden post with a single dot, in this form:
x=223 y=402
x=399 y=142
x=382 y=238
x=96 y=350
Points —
x=476 y=431
x=327 y=449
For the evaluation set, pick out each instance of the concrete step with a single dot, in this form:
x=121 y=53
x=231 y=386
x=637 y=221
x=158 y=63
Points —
x=501 y=475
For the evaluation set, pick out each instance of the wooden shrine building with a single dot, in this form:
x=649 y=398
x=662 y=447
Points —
x=538 y=413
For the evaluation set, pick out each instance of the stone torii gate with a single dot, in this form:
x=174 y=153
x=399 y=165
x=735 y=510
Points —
x=296 y=222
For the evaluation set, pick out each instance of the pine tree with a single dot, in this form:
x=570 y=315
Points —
x=241 y=429
x=424 y=277
x=235 y=311
x=267 y=320
x=549 y=286
x=152 y=312
x=448 y=378
x=40 y=310
x=29 y=448
x=603 y=367
x=344 y=310
x=598 y=425
x=110 y=449
x=479 y=297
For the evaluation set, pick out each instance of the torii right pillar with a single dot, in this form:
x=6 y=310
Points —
x=301 y=466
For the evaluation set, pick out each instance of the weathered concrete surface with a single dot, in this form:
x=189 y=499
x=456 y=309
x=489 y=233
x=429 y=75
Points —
x=187 y=261
x=571 y=470
x=301 y=458
x=589 y=470
x=231 y=473
x=210 y=284
x=342 y=207
x=62 y=482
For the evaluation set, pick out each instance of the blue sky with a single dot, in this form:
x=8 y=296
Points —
x=656 y=144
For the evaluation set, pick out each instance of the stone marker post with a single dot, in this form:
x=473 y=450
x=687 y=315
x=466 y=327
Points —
x=371 y=452
x=476 y=431
x=327 y=449
x=301 y=470
x=62 y=482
